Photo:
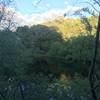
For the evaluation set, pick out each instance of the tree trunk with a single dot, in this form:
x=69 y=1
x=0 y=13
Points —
x=91 y=73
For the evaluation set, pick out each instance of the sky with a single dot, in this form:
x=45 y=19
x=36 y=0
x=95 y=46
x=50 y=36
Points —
x=29 y=12
x=30 y=6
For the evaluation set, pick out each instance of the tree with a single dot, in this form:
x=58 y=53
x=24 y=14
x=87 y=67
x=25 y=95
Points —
x=7 y=15
x=10 y=64
x=94 y=4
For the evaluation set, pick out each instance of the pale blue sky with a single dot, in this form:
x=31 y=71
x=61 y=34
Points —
x=30 y=7
x=28 y=13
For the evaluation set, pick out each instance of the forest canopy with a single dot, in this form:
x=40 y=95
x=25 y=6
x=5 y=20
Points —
x=48 y=61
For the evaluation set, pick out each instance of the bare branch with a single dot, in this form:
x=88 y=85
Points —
x=91 y=5
x=6 y=15
x=37 y=3
x=97 y=2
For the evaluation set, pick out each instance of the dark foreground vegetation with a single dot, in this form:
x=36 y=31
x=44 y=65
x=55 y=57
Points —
x=44 y=63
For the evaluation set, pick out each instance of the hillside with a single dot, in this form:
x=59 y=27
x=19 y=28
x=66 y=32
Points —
x=50 y=60
x=73 y=27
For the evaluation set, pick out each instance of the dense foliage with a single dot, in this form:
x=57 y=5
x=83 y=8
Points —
x=47 y=62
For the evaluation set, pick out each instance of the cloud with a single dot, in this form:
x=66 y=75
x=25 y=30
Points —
x=39 y=18
x=66 y=3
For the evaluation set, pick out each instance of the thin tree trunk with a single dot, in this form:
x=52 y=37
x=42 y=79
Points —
x=91 y=73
